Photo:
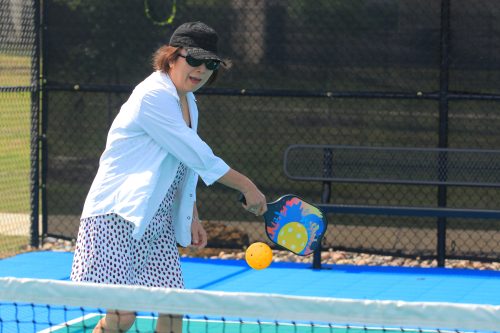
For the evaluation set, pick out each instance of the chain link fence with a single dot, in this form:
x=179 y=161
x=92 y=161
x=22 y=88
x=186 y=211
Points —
x=17 y=50
x=417 y=73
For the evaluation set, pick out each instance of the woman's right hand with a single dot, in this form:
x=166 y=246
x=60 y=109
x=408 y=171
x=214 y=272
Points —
x=255 y=201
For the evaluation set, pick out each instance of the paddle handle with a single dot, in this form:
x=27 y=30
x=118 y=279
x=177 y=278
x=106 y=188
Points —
x=241 y=198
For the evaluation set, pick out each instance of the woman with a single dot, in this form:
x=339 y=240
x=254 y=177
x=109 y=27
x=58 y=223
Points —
x=142 y=201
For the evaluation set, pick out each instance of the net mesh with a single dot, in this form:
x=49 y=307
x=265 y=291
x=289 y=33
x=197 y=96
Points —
x=364 y=73
x=29 y=305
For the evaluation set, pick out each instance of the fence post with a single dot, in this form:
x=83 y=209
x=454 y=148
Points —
x=325 y=197
x=443 y=124
x=44 y=156
x=34 y=132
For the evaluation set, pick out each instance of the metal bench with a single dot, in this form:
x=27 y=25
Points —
x=441 y=167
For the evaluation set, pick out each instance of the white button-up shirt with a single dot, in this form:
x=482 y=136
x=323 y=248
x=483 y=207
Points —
x=146 y=143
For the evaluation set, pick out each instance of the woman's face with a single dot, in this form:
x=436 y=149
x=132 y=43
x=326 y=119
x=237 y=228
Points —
x=187 y=78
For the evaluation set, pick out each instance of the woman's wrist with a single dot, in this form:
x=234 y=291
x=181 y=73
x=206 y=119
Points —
x=237 y=181
x=248 y=186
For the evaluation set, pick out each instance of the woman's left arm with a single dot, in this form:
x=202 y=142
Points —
x=198 y=233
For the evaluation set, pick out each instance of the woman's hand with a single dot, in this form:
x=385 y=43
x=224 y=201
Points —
x=198 y=234
x=255 y=201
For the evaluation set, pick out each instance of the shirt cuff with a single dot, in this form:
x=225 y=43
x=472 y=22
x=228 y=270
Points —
x=215 y=172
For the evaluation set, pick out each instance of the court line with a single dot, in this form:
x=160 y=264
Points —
x=69 y=323
x=227 y=277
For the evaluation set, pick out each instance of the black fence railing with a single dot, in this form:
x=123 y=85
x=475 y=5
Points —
x=382 y=73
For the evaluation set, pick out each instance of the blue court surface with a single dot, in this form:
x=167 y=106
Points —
x=340 y=281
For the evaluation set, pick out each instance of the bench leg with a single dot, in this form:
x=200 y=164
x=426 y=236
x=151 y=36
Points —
x=317 y=258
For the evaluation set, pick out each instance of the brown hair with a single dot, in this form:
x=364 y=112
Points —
x=165 y=54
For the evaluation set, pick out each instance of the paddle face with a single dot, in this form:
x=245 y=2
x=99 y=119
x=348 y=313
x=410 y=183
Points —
x=295 y=225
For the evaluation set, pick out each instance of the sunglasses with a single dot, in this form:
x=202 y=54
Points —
x=193 y=62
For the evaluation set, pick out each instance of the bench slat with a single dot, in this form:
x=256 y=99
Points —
x=393 y=165
x=410 y=211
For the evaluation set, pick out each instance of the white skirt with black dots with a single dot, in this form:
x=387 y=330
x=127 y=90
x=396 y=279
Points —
x=106 y=252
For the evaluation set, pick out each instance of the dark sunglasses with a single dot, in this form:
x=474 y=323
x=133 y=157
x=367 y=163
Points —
x=193 y=62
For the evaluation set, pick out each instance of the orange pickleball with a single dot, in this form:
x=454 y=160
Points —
x=259 y=255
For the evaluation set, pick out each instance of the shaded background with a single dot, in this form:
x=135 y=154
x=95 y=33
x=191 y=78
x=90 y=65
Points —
x=419 y=73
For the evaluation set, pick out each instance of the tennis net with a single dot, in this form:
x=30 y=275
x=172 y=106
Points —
x=31 y=305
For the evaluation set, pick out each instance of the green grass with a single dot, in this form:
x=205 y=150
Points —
x=14 y=152
x=12 y=245
x=14 y=148
x=15 y=70
x=14 y=135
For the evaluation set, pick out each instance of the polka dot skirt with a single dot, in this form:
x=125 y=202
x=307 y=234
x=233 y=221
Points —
x=106 y=252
